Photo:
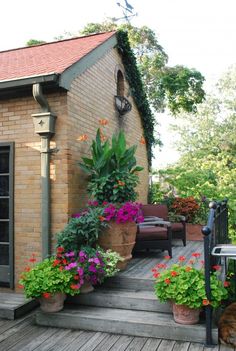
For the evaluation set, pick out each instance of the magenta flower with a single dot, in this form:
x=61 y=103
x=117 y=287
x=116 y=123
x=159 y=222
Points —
x=70 y=266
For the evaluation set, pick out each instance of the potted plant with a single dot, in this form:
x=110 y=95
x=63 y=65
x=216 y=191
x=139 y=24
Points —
x=112 y=172
x=183 y=284
x=83 y=228
x=112 y=168
x=120 y=234
x=49 y=281
x=194 y=211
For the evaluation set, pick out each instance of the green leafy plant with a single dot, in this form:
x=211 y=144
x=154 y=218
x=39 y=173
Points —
x=184 y=284
x=46 y=278
x=111 y=259
x=83 y=228
x=112 y=169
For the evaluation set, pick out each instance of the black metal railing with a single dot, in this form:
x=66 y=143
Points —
x=215 y=233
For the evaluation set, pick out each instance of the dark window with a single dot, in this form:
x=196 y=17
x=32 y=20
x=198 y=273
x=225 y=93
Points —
x=4 y=257
x=120 y=84
x=4 y=231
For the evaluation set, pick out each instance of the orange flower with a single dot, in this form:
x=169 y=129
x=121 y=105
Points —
x=32 y=259
x=20 y=286
x=188 y=269
x=83 y=137
x=74 y=286
x=174 y=273
x=226 y=284
x=46 y=295
x=60 y=249
x=182 y=258
x=27 y=269
x=216 y=267
x=56 y=262
x=121 y=183
x=167 y=281
x=76 y=277
x=103 y=138
x=101 y=218
x=142 y=140
x=205 y=302
x=167 y=257
x=103 y=121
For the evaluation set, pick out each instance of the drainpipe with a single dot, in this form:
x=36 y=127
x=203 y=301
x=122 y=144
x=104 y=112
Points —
x=44 y=125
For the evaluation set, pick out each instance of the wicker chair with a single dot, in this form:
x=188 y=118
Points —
x=178 y=229
x=154 y=234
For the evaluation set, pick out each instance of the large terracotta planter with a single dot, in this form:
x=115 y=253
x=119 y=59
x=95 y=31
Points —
x=54 y=303
x=119 y=237
x=194 y=231
x=185 y=315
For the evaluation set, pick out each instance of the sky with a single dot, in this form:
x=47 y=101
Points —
x=200 y=34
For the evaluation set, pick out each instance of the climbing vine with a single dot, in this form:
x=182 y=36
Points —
x=138 y=92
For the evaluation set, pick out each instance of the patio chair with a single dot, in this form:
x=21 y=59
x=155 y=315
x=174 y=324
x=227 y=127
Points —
x=178 y=229
x=154 y=234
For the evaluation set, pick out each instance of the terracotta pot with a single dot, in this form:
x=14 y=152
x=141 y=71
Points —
x=185 y=315
x=54 y=303
x=194 y=231
x=86 y=288
x=119 y=237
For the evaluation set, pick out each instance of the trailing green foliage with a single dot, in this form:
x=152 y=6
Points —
x=112 y=169
x=138 y=91
x=83 y=229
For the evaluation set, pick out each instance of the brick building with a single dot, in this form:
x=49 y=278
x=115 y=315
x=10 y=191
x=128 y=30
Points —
x=50 y=95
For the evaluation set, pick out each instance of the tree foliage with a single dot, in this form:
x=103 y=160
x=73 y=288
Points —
x=207 y=167
x=179 y=88
x=33 y=42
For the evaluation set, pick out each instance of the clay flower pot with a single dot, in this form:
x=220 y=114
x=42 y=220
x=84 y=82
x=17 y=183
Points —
x=53 y=303
x=86 y=288
x=119 y=237
x=185 y=315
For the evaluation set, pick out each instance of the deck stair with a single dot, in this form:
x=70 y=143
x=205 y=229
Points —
x=127 y=306
x=14 y=305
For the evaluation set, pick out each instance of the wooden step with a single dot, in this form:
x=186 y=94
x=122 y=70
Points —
x=125 y=282
x=127 y=322
x=13 y=305
x=125 y=299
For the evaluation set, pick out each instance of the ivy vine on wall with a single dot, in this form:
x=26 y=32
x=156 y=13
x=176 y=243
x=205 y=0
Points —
x=138 y=92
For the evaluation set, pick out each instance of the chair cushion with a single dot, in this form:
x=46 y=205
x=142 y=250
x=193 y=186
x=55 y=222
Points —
x=177 y=227
x=155 y=210
x=151 y=233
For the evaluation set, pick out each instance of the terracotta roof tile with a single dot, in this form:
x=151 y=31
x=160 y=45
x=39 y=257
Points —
x=47 y=58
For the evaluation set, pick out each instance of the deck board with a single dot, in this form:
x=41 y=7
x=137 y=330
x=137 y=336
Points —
x=142 y=263
x=24 y=335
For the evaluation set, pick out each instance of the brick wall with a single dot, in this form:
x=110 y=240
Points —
x=16 y=125
x=91 y=98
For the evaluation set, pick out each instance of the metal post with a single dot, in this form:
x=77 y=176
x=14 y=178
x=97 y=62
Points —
x=45 y=203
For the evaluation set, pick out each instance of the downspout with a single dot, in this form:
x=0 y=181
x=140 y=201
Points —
x=44 y=124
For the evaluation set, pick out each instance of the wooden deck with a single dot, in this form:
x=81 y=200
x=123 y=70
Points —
x=23 y=335
x=142 y=263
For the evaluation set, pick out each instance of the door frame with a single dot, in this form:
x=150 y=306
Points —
x=11 y=146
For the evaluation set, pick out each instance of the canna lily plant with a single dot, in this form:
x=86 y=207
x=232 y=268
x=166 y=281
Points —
x=112 y=168
x=184 y=283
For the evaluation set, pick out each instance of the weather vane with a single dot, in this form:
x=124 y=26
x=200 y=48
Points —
x=127 y=10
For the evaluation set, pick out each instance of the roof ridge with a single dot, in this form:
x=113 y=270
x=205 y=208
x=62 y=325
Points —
x=57 y=41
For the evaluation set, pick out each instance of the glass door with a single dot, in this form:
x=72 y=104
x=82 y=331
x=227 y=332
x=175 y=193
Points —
x=6 y=215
